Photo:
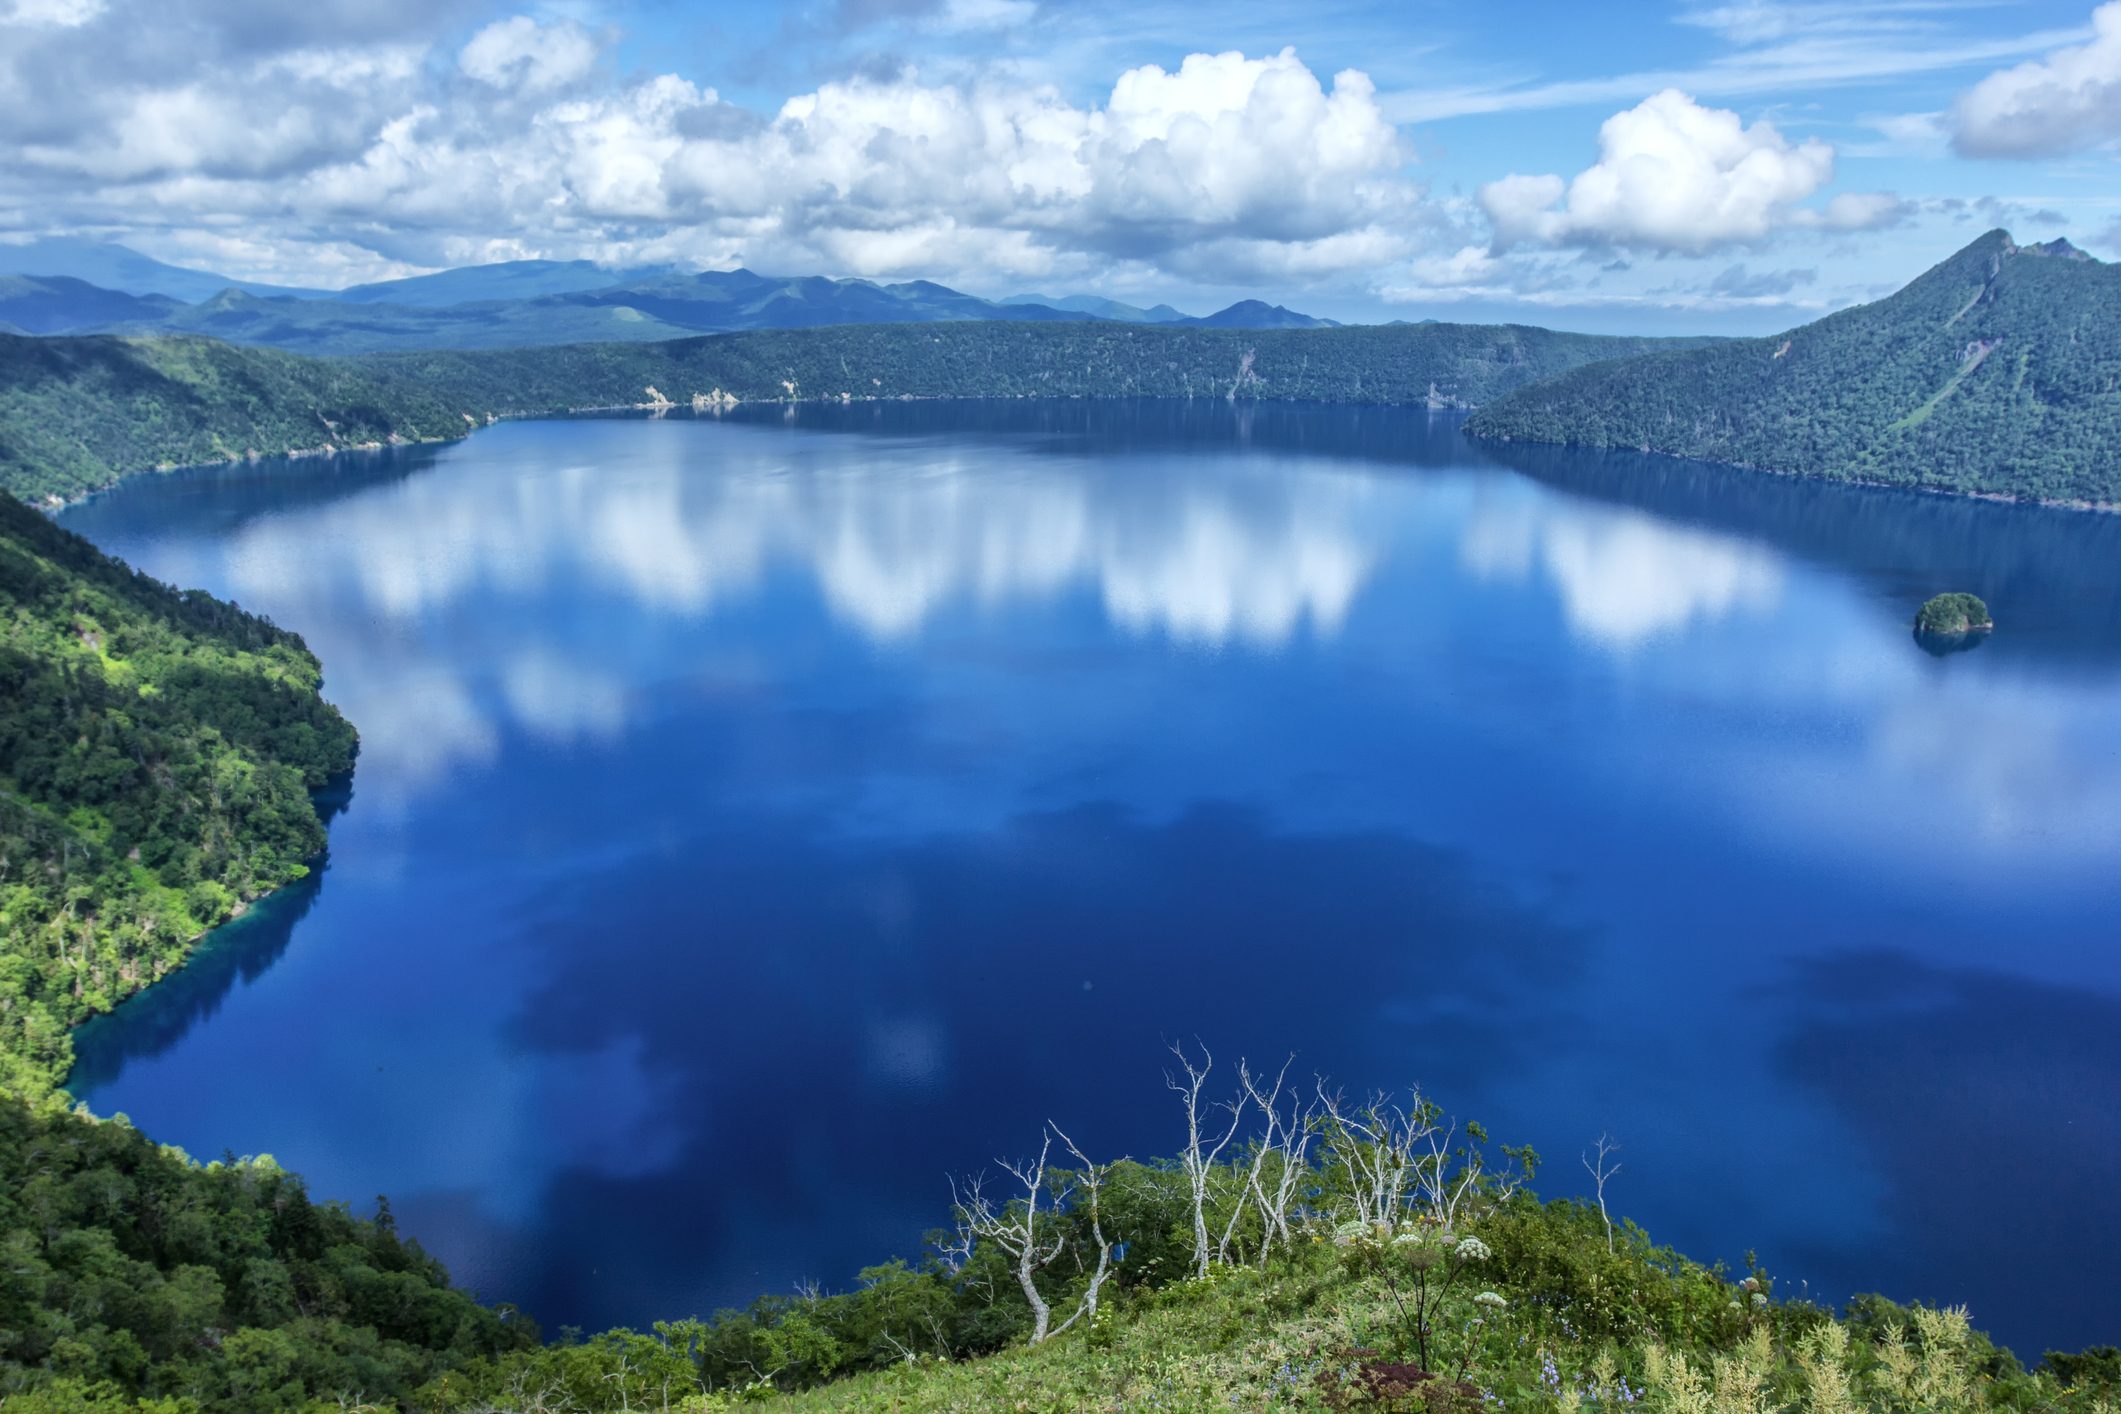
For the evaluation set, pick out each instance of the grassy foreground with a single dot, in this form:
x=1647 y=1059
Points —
x=1315 y=1332
x=1344 y=1259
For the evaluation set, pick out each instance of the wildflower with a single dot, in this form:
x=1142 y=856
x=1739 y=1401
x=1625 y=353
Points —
x=1750 y=1284
x=1490 y=1299
x=1472 y=1249
x=1759 y=1301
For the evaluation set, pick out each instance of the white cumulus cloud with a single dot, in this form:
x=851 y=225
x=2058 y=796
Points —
x=1673 y=175
x=2068 y=101
x=520 y=53
x=1226 y=164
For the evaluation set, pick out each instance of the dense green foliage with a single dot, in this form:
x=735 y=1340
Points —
x=127 y=1271
x=1998 y=372
x=157 y=749
x=1953 y=613
x=76 y=413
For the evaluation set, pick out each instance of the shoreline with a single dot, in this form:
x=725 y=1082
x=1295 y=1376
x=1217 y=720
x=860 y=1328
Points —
x=712 y=405
x=312 y=866
x=1992 y=497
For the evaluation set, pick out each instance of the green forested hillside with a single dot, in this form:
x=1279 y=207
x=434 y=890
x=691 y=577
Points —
x=1455 y=365
x=76 y=413
x=1997 y=372
x=134 y=1279
x=156 y=754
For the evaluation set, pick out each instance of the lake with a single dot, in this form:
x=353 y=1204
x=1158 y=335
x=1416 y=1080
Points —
x=760 y=819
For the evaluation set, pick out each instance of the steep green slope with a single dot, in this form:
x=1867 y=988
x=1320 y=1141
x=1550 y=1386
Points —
x=1998 y=372
x=131 y=1272
x=157 y=749
x=75 y=413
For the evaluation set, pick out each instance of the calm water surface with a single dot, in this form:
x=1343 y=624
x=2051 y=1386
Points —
x=759 y=819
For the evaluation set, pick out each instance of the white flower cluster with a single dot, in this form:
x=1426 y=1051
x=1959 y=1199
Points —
x=1472 y=1249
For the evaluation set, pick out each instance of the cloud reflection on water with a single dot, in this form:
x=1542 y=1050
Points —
x=1623 y=575
x=695 y=528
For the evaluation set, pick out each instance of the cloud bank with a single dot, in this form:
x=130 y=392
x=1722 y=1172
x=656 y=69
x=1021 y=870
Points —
x=2066 y=102
x=1223 y=167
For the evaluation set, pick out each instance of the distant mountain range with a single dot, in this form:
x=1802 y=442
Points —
x=63 y=286
x=116 y=267
x=1997 y=372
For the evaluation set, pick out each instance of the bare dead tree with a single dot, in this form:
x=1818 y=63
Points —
x=523 y=1398
x=1379 y=1146
x=1198 y=1158
x=954 y=1249
x=1090 y=1184
x=1251 y=1191
x=1288 y=1137
x=1014 y=1229
x=1444 y=1184
x=1601 y=1166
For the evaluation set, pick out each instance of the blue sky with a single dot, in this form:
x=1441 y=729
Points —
x=1722 y=166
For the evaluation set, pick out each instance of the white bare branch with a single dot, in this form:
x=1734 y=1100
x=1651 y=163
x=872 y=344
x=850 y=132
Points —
x=1602 y=1168
x=1198 y=1158
x=1015 y=1230
x=1090 y=1182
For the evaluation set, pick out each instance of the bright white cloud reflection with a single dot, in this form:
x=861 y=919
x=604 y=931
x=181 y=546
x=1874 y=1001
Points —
x=1624 y=576
x=1246 y=556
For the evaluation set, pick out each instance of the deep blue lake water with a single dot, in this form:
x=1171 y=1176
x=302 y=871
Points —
x=759 y=819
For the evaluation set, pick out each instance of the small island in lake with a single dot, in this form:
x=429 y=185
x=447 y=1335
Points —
x=1948 y=615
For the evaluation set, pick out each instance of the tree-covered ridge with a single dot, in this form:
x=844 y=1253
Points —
x=132 y=1278
x=77 y=413
x=157 y=749
x=1998 y=372
x=1455 y=365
